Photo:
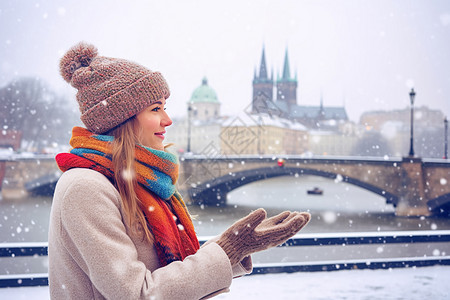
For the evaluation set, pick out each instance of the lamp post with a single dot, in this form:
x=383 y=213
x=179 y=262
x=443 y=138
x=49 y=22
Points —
x=189 y=128
x=445 y=138
x=412 y=95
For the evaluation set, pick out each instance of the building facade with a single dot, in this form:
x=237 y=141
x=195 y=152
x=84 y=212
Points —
x=284 y=102
x=262 y=134
x=394 y=126
x=201 y=129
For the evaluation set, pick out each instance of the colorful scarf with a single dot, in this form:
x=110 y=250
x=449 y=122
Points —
x=156 y=174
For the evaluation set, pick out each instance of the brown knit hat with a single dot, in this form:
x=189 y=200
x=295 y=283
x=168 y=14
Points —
x=110 y=90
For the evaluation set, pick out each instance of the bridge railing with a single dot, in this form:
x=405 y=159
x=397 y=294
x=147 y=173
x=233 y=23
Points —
x=326 y=242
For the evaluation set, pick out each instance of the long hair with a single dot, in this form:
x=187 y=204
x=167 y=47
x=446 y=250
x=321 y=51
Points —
x=123 y=157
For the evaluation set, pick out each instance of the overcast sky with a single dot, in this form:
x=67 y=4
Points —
x=363 y=54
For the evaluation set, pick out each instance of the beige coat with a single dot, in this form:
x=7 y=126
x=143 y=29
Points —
x=93 y=255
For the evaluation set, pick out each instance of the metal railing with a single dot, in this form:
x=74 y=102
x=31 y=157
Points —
x=301 y=240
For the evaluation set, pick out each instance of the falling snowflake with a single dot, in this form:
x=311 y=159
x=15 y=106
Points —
x=329 y=217
x=338 y=178
x=128 y=174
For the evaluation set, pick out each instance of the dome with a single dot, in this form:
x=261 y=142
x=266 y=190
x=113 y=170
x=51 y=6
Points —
x=204 y=93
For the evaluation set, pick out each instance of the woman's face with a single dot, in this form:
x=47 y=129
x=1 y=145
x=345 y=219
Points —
x=151 y=124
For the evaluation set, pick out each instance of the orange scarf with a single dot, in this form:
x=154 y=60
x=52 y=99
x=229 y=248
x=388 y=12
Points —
x=156 y=174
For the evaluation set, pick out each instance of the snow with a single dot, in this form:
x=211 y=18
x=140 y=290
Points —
x=405 y=283
x=415 y=283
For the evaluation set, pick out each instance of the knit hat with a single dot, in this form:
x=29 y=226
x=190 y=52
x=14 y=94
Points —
x=110 y=90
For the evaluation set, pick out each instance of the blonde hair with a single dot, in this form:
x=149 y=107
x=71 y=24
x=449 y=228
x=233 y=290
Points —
x=123 y=157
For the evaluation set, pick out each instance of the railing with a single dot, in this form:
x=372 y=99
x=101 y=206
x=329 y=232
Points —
x=328 y=240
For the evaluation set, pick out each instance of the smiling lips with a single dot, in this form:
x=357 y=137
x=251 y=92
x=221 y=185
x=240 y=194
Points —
x=160 y=134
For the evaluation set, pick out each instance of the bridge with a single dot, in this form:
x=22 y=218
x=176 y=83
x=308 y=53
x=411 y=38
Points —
x=414 y=186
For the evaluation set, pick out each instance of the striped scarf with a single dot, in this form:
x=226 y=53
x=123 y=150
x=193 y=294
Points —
x=156 y=174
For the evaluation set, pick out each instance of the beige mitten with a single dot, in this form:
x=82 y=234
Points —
x=255 y=233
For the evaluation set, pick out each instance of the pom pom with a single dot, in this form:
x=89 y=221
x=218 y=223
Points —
x=77 y=57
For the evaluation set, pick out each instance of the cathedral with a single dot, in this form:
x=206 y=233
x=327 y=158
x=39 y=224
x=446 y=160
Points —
x=279 y=98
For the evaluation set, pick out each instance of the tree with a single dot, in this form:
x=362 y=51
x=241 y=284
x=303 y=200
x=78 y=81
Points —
x=43 y=117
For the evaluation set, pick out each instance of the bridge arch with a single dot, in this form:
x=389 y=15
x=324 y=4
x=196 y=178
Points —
x=214 y=191
x=440 y=205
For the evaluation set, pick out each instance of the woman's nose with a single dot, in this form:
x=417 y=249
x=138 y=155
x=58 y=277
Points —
x=166 y=120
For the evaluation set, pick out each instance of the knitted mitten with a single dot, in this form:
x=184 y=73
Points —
x=255 y=233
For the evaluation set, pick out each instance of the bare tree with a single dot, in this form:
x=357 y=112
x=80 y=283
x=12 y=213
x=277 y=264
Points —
x=43 y=117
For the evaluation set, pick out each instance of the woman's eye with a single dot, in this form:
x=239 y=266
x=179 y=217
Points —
x=156 y=108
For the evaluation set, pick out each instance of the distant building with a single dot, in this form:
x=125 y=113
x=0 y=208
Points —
x=201 y=129
x=401 y=119
x=284 y=103
x=329 y=143
x=205 y=131
x=275 y=124
x=394 y=127
x=262 y=134
x=204 y=105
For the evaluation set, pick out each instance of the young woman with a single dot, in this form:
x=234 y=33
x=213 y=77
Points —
x=118 y=227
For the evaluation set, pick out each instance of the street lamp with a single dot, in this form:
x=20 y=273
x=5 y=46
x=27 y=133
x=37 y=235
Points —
x=412 y=95
x=445 y=137
x=189 y=128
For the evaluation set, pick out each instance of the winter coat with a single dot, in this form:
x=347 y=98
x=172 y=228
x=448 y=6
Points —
x=94 y=254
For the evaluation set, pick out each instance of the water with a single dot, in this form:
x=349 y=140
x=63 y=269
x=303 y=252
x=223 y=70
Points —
x=342 y=208
x=24 y=219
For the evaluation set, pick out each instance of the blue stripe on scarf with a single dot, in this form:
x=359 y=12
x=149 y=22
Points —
x=104 y=138
x=82 y=151
x=162 y=186
x=163 y=154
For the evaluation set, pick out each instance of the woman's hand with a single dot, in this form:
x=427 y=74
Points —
x=255 y=233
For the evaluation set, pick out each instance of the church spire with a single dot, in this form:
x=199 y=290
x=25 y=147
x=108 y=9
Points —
x=262 y=87
x=286 y=85
x=286 y=71
x=263 y=68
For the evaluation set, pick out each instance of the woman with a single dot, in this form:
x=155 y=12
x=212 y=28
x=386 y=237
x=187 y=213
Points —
x=118 y=227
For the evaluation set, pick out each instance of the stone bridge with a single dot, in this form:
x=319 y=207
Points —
x=414 y=186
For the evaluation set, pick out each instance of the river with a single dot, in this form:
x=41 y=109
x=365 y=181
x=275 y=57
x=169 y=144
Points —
x=341 y=208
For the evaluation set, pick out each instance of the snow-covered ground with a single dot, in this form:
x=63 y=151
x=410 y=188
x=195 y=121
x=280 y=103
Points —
x=406 y=283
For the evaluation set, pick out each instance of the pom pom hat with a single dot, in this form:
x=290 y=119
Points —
x=110 y=90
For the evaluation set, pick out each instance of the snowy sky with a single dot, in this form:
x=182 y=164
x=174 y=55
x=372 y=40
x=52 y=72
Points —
x=364 y=54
